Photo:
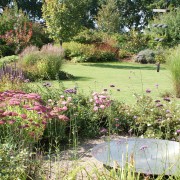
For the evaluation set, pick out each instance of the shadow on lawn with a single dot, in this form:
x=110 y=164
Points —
x=81 y=78
x=130 y=67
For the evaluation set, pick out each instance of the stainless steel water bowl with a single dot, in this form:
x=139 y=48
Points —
x=148 y=156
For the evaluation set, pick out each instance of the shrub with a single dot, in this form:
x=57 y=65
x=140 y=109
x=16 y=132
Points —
x=173 y=61
x=146 y=56
x=78 y=52
x=132 y=41
x=39 y=37
x=43 y=64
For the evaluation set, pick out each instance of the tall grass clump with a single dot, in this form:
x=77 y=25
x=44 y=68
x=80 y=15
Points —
x=42 y=64
x=173 y=62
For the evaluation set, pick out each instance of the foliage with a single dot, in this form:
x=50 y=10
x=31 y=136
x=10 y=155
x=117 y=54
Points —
x=39 y=36
x=8 y=59
x=166 y=28
x=63 y=19
x=13 y=162
x=11 y=77
x=43 y=64
x=19 y=37
x=162 y=118
x=132 y=41
x=33 y=7
x=124 y=54
x=88 y=36
x=173 y=61
x=14 y=26
x=108 y=17
x=78 y=52
x=146 y=56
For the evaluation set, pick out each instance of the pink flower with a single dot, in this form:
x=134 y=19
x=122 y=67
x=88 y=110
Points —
x=103 y=130
x=24 y=116
x=117 y=125
x=63 y=117
x=95 y=108
x=11 y=121
x=44 y=122
x=37 y=108
x=64 y=102
x=14 y=103
x=2 y=122
x=69 y=99
x=64 y=108
x=14 y=114
x=102 y=106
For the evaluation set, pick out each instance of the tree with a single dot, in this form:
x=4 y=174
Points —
x=64 y=18
x=165 y=28
x=108 y=17
x=31 y=7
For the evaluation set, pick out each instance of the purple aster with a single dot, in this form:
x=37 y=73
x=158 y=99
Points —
x=112 y=85
x=143 y=147
x=167 y=99
x=148 y=91
x=159 y=105
x=178 y=131
x=103 y=130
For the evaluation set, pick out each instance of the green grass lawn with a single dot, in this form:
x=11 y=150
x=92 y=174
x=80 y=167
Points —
x=130 y=78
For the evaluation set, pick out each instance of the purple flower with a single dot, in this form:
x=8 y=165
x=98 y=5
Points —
x=112 y=85
x=143 y=147
x=105 y=90
x=168 y=111
x=47 y=84
x=135 y=117
x=70 y=91
x=157 y=85
x=118 y=90
x=167 y=99
x=157 y=101
x=159 y=105
x=148 y=91
x=178 y=131
x=103 y=130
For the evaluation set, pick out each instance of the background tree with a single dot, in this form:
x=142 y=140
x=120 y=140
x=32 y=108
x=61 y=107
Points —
x=166 y=28
x=64 y=19
x=31 y=7
x=108 y=17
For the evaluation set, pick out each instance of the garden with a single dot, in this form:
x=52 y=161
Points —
x=73 y=76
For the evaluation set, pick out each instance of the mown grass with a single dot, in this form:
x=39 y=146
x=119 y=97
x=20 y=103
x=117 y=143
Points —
x=130 y=78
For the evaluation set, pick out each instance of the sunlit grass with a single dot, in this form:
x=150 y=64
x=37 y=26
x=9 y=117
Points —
x=130 y=78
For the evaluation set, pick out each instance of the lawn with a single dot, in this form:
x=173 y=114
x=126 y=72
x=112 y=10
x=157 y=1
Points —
x=130 y=78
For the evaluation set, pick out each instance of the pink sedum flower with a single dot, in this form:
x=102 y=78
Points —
x=24 y=116
x=95 y=108
x=63 y=117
